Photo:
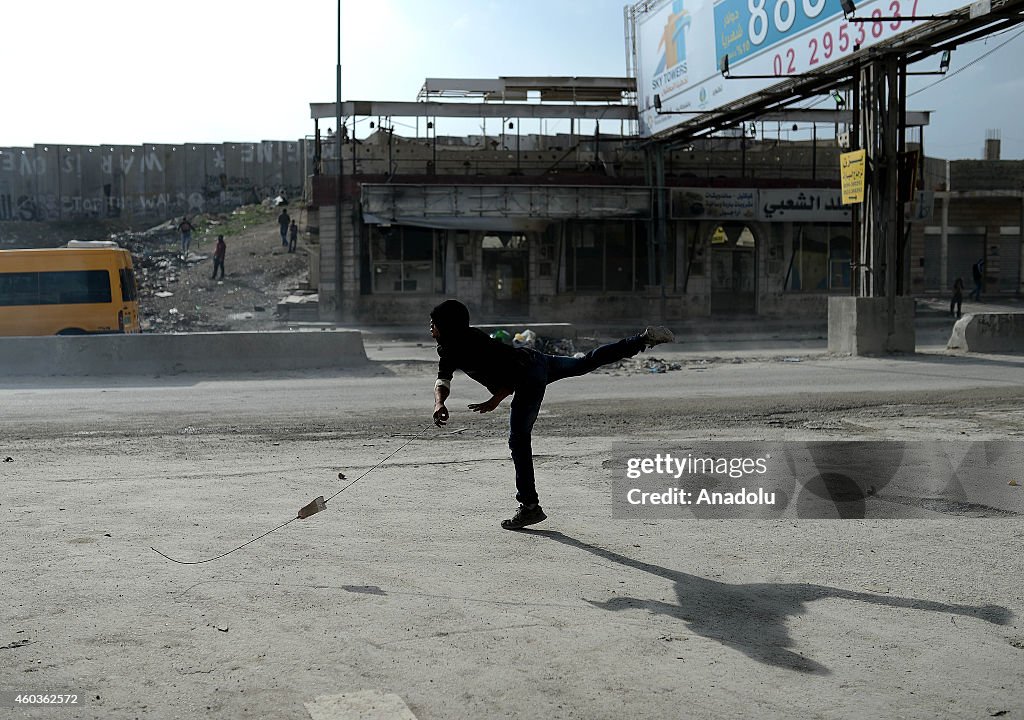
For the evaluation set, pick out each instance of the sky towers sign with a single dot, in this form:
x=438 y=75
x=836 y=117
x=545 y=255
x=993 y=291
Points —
x=680 y=45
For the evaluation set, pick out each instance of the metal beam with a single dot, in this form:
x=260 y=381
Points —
x=386 y=108
x=915 y=118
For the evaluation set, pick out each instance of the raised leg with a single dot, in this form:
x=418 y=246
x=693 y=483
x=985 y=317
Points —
x=563 y=367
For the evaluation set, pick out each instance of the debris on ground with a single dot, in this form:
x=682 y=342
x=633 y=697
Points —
x=636 y=366
x=258 y=273
x=526 y=339
x=299 y=306
x=556 y=346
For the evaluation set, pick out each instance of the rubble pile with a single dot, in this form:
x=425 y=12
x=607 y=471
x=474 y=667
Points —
x=162 y=275
x=177 y=295
x=557 y=346
x=638 y=365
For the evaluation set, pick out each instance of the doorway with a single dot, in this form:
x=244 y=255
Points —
x=505 y=261
x=733 y=270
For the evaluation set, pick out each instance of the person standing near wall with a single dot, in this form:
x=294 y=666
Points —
x=284 y=221
x=978 y=275
x=957 y=301
x=218 y=257
x=293 y=236
x=185 y=228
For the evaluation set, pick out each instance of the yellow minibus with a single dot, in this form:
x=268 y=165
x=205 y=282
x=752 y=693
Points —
x=86 y=287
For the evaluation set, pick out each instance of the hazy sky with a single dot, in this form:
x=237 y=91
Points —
x=127 y=72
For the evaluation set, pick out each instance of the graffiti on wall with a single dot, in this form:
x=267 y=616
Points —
x=47 y=207
x=52 y=182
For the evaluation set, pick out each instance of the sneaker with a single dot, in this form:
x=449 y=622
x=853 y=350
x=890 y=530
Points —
x=524 y=516
x=656 y=335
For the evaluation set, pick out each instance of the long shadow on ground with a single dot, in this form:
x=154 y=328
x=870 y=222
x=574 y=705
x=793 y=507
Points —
x=752 y=617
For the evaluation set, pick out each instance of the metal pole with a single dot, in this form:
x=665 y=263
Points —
x=814 y=151
x=337 y=198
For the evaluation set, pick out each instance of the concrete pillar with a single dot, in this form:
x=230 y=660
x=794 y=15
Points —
x=862 y=326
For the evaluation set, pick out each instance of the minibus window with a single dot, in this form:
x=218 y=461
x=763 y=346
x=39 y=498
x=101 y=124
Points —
x=19 y=288
x=129 y=290
x=77 y=286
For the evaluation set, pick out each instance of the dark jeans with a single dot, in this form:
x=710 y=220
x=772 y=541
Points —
x=218 y=264
x=956 y=304
x=291 y=244
x=544 y=370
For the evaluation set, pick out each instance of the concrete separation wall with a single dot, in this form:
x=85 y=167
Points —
x=145 y=354
x=988 y=333
x=46 y=183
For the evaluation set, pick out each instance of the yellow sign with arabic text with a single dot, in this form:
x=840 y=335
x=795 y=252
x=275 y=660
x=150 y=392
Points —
x=851 y=171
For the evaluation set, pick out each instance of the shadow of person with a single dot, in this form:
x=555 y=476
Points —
x=751 y=617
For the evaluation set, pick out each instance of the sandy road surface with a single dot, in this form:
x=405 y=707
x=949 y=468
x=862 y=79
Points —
x=406 y=584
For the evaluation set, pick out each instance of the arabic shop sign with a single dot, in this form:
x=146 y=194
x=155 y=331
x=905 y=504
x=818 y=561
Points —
x=851 y=171
x=802 y=206
x=727 y=204
x=749 y=204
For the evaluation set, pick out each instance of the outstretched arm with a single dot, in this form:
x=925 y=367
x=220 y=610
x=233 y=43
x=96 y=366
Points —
x=491 y=404
x=442 y=388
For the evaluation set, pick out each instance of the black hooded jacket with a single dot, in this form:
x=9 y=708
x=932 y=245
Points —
x=490 y=362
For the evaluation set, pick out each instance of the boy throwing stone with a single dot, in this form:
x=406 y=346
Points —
x=521 y=372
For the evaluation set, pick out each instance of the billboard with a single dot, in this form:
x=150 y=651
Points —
x=680 y=45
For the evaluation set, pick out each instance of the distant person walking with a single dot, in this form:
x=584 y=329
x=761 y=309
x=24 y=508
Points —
x=293 y=236
x=284 y=221
x=957 y=301
x=978 y=275
x=185 y=228
x=218 y=257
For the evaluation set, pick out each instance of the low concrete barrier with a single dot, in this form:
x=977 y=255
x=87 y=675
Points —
x=988 y=333
x=860 y=326
x=155 y=354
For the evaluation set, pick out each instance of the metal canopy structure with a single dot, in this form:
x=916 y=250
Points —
x=580 y=98
x=546 y=89
x=389 y=108
x=934 y=37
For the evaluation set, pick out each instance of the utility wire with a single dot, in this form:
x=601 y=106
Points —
x=960 y=70
x=947 y=75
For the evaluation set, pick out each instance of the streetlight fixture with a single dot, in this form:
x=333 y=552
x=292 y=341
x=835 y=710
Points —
x=723 y=67
x=943 y=65
x=659 y=111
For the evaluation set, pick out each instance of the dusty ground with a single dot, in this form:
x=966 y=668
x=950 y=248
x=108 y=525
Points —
x=406 y=584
